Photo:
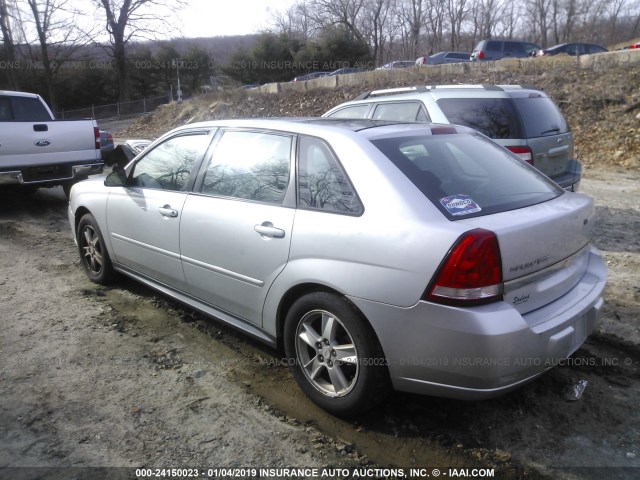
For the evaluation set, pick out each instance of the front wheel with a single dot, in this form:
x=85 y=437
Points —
x=93 y=253
x=334 y=354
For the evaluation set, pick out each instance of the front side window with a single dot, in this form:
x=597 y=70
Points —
x=250 y=166
x=322 y=184
x=169 y=165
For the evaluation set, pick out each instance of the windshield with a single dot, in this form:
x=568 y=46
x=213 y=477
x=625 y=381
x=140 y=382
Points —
x=466 y=175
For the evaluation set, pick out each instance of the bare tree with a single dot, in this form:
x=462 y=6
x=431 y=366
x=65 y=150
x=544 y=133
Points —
x=379 y=14
x=58 y=38
x=6 y=16
x=127 y=19
x=456 y=12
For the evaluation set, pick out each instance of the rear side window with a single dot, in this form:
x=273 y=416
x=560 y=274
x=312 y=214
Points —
x=540 y=116
x=493 y=46
x=466 y=175
x=251 y=166
x=27 y=109
x=22 y=109
x=402 y=112
x=355 y=111
x=495 y=117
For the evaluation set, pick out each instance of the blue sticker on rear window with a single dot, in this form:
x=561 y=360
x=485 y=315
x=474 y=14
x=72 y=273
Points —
x=459 y=205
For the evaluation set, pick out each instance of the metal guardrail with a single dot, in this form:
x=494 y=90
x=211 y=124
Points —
x=115 y=110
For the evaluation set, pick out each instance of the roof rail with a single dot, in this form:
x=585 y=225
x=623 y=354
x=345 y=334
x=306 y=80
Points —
x=394 y=91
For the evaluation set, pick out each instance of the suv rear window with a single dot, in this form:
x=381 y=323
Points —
x=541 y=117
x=495 y=117
x=468 y=170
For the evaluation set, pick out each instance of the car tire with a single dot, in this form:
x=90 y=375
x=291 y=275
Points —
x=334 y=355
x=93 y=252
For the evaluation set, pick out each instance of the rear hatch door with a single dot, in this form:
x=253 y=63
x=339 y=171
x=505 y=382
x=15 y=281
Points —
x=545 y=248
x=547 y=133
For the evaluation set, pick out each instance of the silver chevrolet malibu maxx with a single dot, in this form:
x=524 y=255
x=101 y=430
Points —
x=377 y=255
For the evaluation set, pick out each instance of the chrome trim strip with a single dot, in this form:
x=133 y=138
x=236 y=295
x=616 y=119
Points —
x=131 y=241
x=222 y=271
x=546 y=272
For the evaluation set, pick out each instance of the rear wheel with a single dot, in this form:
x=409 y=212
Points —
x=334 y=354
x=93 y=253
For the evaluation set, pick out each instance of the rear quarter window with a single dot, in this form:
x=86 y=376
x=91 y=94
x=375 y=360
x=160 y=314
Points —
x=495 y=117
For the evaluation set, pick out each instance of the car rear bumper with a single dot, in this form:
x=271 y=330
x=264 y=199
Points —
x=570 y=180
x=481 y=352
x=50 y=174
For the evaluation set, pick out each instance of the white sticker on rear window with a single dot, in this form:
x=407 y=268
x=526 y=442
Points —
x=459 y=205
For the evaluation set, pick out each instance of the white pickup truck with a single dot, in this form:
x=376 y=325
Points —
x=38 y=151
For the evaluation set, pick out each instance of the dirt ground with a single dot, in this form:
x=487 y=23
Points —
x=122 y=377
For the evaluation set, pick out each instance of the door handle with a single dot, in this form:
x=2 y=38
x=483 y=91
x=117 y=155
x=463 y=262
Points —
x=167 y=211
x=266 y=229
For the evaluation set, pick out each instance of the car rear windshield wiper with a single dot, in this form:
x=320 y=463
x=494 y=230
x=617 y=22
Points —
x=550 y=131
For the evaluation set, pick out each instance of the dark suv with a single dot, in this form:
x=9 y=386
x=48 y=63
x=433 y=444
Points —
x=497 y=49
x=524 y=120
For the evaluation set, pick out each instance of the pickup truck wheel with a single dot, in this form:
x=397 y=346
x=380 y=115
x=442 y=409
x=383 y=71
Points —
x=93 y=253
x=334 y=355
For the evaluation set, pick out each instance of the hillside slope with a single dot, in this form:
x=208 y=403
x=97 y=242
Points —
x=603 y=108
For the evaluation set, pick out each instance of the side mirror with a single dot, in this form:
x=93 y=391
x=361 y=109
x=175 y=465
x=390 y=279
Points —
x=117 y=178
x=120 y=156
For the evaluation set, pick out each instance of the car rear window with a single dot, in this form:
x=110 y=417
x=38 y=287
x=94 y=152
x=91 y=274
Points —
x=466 y=175
x=495 y=117
x=540 y=116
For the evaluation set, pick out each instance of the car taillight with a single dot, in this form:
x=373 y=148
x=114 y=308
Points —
x=523 y=152
x=471 y=273
x=480 y=54
x=96 y=134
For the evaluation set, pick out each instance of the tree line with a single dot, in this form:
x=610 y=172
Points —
x=47 y=48
x=406 y=29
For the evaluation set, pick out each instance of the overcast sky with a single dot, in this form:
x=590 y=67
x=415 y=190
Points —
x=210 y=18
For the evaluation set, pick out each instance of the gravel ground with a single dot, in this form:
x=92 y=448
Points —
x=120 y=376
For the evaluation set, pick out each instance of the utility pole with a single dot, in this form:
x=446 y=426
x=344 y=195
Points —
x=178 y=91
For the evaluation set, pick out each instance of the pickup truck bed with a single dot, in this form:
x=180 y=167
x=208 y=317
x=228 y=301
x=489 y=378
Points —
x=36 y=150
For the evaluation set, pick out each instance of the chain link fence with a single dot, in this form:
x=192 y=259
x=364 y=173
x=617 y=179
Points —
x=115 y=110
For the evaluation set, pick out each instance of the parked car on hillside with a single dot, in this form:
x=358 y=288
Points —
x=572 y=49
x=524 y=120
x=443 y=57
x=415 y=256
x=498 y=49
x=347 y=70
x=397 y=64
x=310 y=76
